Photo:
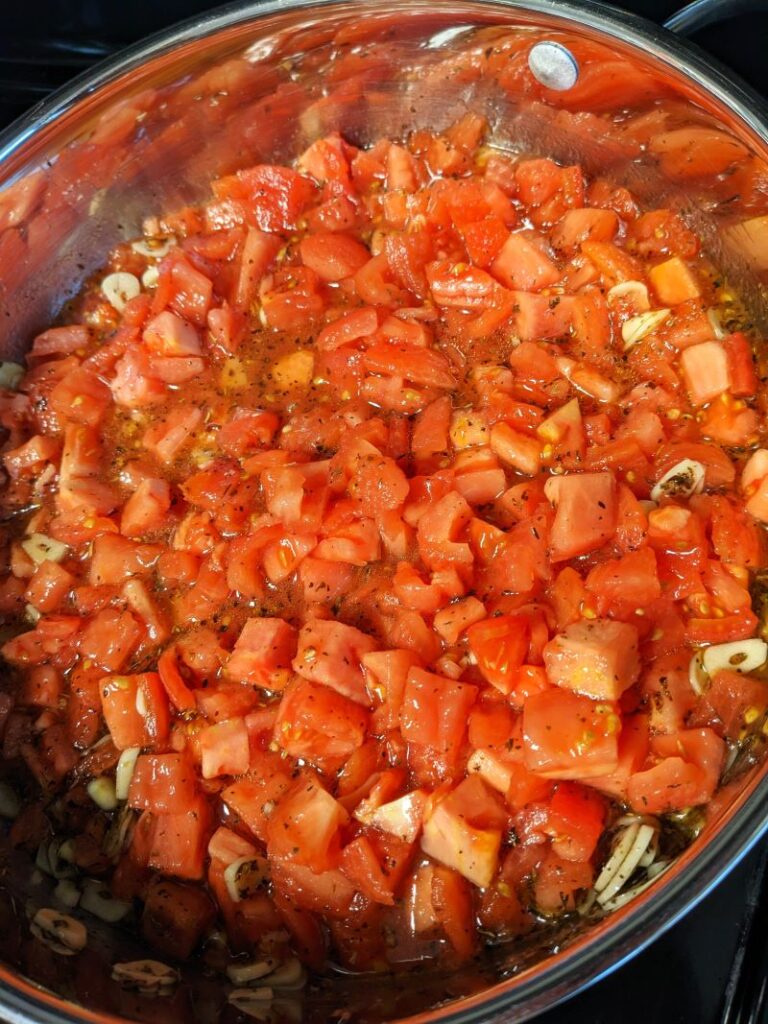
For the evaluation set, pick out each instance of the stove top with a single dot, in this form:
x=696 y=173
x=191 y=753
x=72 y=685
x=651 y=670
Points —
x=710 y=968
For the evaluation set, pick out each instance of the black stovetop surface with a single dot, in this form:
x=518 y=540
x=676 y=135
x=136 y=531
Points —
x=688 y=975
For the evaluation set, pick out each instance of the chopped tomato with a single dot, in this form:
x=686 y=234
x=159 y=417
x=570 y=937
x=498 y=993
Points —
x=317 y=722
x=331 y=653
x=434 y=711
x=262 y=653
x=598 y=658
x=163 y=784
x=463 y=831
x=585 y=513
x=568 y=736
x=500 y=646
x=575 y=820
x=304 y=827
x=369 y=545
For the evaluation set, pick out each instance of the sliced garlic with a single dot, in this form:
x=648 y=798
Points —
x=10 y=375
x=289 y=975
x=148 y=977
x=96 y=899
x=681 y=481
x=643 y=837
x=634 y=290
x=31 y=614
x=154 y=248
x=141 y=703
x=739 y=656
x=50 y=861
x=245 y=973
x=255 y=1002
x=102 y=791
x=67 y=893
x=150 y=277
x=717 y=328
x=60 y=932
x=42 y=548
x=697 y=677
x=124 y=771
x=637 y=327
x=10 y=804
x=119 y=288
x=244 y=877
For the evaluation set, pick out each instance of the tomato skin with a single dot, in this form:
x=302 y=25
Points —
x=734 y=698
x=250 y=799
x=360 y=863
x=558 y=881
x=662 y=233
x=439 y=529
x=460 y=287
x=179 y=841
x=332 y=255
x=686 y=773
x=491 y=725
x=276 y=195
x=463 y=831
x=453 y=905
x=224 y=748
x=48 y=587
x=290 y=298
x=127 y=727
x=329 y=893
x=740 y=626
x=175 y=917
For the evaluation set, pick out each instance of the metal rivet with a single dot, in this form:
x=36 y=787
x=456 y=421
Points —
x=553 y=66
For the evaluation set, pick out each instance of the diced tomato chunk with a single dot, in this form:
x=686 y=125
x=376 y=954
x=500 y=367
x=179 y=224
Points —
x=224 y=748
x=262 y=653
x=568 y=736
x=598 y=658
x=575 y=820
x=331 y=653
x=500 y=645
x=706 y=371
x=305 y=826
x=162 y=783
x=585 y=513
x=317 y=721
x=463 y=831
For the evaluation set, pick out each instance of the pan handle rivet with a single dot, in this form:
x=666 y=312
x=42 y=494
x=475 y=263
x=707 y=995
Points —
x=553 y=65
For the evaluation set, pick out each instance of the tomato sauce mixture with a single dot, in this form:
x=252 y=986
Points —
x=380 y=542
